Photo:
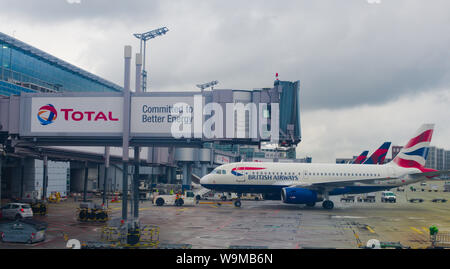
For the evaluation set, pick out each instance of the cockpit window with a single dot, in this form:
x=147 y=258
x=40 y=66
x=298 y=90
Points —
x=224 y=172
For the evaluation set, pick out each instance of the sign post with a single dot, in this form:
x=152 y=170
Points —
x=136 y=149
x=126 y=131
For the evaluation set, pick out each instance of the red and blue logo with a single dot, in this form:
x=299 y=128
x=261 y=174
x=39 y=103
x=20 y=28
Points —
x=415 y=153
x=47 y=114
x=235 y=172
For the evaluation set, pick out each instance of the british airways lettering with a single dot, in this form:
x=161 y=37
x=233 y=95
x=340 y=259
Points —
x=272 y=177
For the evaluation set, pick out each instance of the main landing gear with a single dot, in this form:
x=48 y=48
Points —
x=327 y=204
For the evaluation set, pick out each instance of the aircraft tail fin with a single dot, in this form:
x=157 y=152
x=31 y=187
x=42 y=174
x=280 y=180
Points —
x=415 y=153
x=379 y=155
x=361 y=158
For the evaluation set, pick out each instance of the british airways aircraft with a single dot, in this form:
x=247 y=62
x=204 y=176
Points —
x=361 y=158
x=306 y=183
x=379 y=155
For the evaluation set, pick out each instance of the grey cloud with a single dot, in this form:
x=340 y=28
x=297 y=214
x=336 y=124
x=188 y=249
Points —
x=346 y=53
x=60 y=11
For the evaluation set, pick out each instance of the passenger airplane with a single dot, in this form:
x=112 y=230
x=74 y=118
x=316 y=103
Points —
x=379 y=155
x=306 y=183
x=361 y=158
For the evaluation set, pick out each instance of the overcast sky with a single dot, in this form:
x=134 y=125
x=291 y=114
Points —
x=369 y=72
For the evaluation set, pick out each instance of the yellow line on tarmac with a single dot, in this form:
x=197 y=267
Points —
x=145 y=208
x=416 y=230
x=370 y=229
x=425 y=229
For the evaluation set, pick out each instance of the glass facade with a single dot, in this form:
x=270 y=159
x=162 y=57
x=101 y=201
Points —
x=26 y=67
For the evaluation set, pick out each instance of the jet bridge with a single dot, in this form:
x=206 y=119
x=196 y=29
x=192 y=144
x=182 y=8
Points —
x=185 y=119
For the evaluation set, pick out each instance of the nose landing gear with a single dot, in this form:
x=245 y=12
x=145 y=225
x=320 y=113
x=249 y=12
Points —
x=237 y=203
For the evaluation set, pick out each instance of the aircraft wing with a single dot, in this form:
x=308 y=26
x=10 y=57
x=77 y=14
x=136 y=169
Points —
x=337 y=183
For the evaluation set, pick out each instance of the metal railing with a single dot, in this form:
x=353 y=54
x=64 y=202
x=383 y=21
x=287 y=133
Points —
x=26 y=81
x=441 y=240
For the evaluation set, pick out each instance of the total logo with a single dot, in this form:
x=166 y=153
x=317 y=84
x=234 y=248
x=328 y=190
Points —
x=47 y=115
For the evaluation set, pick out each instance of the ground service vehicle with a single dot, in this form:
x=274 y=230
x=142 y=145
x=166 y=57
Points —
x=17 y=211
x=388 y=196
x=186 y=198
x=224 y=196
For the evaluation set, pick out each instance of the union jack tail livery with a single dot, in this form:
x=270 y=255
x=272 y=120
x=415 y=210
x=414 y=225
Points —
x=361 y=158
x=414 y=154
x=379 y=155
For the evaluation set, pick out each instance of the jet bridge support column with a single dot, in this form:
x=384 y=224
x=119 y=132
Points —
x=186 y=176
x=174 y=175
x=105 y=175
x=86 y=174
x=1 y=161
x=136 y=183
x=204 y=157
x=22 y=177
x=45 y=179
x=168 y=171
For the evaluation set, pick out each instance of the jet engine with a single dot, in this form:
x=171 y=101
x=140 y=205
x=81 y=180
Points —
x=299 y=196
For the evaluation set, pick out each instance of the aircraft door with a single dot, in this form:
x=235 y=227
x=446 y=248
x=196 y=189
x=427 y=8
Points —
x=305 y=175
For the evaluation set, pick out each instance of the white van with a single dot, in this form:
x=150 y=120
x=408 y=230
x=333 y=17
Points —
x=388 y=196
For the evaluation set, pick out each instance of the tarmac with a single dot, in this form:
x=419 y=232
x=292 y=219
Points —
x=268 y=224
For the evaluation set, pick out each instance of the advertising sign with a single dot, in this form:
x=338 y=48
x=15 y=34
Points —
x=167 y=116
x=72 y=116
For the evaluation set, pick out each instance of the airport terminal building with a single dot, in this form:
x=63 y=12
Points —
x=26 y=69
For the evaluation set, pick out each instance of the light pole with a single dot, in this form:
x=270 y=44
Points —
x=143 y=38
x=207 y=85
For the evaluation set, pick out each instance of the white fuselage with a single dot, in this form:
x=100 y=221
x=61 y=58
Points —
x=246 y=177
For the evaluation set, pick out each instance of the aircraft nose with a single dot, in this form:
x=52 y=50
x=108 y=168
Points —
x=204 y=180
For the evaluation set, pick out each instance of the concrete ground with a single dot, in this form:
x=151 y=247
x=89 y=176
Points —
x=269 y=224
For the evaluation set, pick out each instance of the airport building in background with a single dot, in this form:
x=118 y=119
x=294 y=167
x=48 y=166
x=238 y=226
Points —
x=24 y=68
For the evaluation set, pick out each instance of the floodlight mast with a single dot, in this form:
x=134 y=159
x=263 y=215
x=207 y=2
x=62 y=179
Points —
x=143 y=38
x=207 y=85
